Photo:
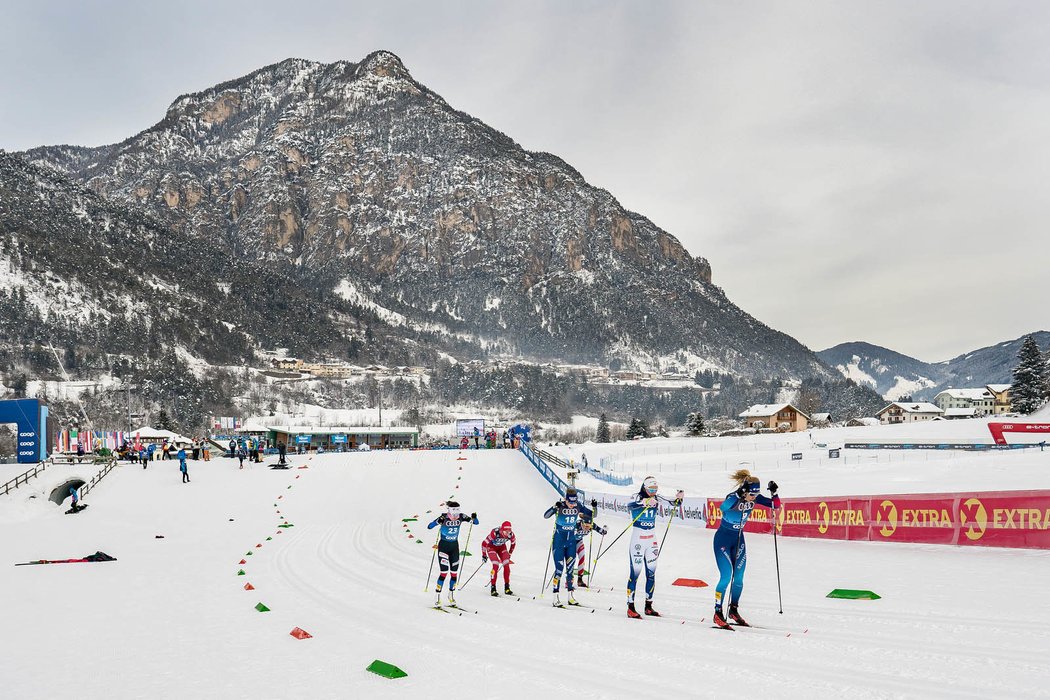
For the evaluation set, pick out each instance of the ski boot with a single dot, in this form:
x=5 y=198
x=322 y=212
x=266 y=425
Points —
x=437 y=601
x=557 y=600
x=571 y=600
x=721 y=621
x=451 y=597
x=580 y=583
x=632 y=613
x=734 y=615
x=492 y=591
x=507 y=591
x=649 y=609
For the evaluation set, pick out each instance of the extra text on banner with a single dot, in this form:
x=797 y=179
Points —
x=1019 y=519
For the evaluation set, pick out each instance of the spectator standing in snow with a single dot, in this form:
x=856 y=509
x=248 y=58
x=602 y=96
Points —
x=182 y=466
x=241 y=455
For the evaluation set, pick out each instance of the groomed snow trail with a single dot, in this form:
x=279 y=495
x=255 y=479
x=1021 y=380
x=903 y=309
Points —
x=171 y=619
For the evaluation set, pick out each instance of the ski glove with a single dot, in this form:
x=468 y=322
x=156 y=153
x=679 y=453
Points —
x=772 y=486
x=594 y=504
x=473 y=516
x=741 y=492
x=484 y=557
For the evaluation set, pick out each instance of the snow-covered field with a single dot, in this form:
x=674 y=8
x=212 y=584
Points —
x=701 y=465
x=171 y=617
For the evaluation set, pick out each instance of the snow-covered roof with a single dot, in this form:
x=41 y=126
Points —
x=340 y=430
x=998 y=388
x=969 y=394
x=148 y=433
x=921 y=407
x=252 y=428
x=960 y=412
x=822 y=417
x=764 y=410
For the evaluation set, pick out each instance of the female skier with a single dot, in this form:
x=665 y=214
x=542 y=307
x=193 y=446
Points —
x=494 y=549
x=730 y=552
x=448 y=547
x=583 y=528
x=563 y=543
x=645 y=545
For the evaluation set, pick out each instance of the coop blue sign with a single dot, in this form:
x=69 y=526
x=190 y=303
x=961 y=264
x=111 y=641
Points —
x=31 y=418
x=336 y=439
x=302 y=439
x=833 y=454
x=796 y=455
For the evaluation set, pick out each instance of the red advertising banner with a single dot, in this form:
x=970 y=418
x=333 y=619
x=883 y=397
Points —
x=1019 y=519
x=997 y=430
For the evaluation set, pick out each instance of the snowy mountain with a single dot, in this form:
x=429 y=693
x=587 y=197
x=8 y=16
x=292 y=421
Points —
x=890 y=373
x=364 y=191
x=894 y=375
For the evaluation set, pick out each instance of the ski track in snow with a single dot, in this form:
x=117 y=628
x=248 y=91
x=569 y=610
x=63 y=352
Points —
x=170 y=618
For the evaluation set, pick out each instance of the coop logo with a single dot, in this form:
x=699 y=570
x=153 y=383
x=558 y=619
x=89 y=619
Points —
x=714 y=513
x=973 y=518
x=888 y=518
x=823 y=517
x=781 y=514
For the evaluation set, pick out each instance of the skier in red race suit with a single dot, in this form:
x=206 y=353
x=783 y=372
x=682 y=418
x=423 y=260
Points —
x=494 y=549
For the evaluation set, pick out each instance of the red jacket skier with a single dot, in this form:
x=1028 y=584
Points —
x=495 y=548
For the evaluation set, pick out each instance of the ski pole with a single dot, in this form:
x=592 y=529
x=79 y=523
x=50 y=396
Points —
x=776 y=554
x=602 y=553
x=465 y=552
x=590 y=553
x=464 y=584
x=666 y=530
x=433 y=556
x=594 y=565
x=546 y=566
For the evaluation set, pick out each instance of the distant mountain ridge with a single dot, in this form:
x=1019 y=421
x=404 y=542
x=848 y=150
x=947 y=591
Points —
x=894 y=375
x=369 y=193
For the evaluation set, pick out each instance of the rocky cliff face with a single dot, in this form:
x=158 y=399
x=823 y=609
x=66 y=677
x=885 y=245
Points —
x=368 y=188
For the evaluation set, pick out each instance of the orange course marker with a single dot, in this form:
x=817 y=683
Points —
x=300 y=633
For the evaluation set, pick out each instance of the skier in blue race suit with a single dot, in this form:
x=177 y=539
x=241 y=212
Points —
x=730 y=550
x=644 y=549
x=563 y=545
x=448 y=547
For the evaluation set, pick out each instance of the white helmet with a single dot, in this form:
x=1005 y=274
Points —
x=650 y=485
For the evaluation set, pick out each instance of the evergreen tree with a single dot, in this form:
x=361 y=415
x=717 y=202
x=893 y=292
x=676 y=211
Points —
x=1028 y=389
x=638 y=427
x=695 y=423
x=603 y=429
x=163 y=421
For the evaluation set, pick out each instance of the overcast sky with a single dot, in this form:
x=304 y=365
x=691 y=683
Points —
x=853 y=171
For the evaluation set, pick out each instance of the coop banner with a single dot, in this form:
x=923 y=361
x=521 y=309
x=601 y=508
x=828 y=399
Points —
x=691 y=513
x=1018 y=519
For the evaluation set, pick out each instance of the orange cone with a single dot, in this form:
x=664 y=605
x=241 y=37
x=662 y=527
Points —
x=301 y=633
x=249 y=587
x=243 y=561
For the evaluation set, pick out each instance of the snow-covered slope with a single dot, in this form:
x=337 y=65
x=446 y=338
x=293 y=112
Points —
x=171 y=619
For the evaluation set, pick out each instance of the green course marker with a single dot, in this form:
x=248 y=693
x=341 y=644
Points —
x=419 y=541
x=382 y=668
x=409 y=520
x=286 y=525
x=248 y=554
x=262 y=608
x=241 y=572
x=268 y=539
x=850 y=594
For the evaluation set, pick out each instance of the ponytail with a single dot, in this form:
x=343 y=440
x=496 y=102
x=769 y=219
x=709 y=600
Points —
x=743 y=476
